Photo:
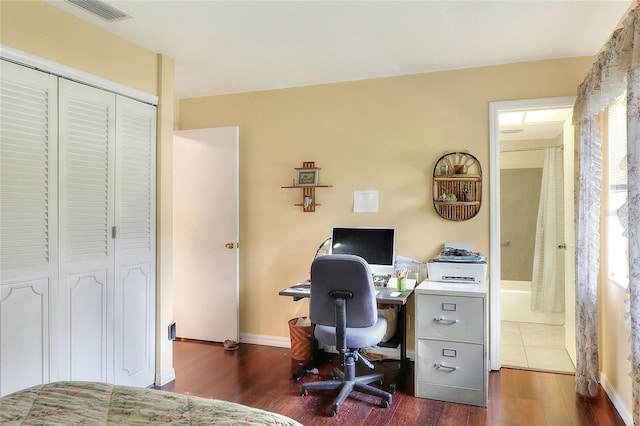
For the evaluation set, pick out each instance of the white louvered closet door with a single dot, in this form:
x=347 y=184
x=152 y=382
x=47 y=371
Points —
x=28 y=227
x=86 y=197
x=135 y=243
x=77 y=233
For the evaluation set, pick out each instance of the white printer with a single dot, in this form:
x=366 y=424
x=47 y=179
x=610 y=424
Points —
x=455 y=264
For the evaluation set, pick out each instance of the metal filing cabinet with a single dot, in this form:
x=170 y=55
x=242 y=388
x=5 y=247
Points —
x=451 y=342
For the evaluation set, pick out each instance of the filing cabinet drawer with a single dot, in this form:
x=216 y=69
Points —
x=450 y=317
x=451 y=363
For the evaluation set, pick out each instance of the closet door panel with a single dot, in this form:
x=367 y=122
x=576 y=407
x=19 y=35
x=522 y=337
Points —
x=86 y=300
x=24 y=334
x=87 y=166
x=136 y=174
x=28 y=183
x=28 y=227
x=135 y=362
x=135 y=243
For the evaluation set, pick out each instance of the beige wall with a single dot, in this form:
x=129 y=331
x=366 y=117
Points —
x=614 y=339
x=42 y=30
x=383 y=134
x=164 y=218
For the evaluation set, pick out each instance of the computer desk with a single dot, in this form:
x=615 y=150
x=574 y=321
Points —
x=383 y=295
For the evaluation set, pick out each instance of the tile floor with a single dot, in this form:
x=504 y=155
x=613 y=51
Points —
x=534 y=347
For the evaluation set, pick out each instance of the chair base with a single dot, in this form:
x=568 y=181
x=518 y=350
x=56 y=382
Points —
x=349 y=383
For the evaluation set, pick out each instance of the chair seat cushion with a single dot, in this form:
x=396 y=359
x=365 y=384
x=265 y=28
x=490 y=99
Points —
x=356 y=337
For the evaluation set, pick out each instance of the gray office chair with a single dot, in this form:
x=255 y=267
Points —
x=344 y=313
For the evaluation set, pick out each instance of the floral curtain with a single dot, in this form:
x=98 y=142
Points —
x=633 y=218
x=616 y=70
x=588 y=257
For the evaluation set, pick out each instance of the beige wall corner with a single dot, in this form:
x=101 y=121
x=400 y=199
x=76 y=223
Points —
x=164 y=219
x=45 y=31
x=614 y=342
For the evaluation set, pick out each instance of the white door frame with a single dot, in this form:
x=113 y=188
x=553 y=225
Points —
x=494 y=207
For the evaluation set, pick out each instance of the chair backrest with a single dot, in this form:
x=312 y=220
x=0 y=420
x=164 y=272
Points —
x=342 y=272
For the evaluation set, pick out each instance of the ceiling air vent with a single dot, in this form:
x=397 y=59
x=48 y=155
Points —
x=100 y=9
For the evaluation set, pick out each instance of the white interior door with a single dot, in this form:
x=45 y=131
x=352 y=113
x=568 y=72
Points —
x=205 y=233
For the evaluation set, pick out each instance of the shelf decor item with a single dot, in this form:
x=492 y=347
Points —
x=457 y=186
x=307 y=179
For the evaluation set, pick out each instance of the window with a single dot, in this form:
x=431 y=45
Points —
x=617 y=242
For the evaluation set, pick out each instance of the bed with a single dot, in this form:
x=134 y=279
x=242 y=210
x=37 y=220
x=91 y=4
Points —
x=102 y=403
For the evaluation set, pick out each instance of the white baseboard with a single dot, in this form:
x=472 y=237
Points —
x=616 y=400
x=258 y=339
x=165 y=377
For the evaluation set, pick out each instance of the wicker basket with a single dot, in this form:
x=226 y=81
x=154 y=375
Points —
x=300 y=342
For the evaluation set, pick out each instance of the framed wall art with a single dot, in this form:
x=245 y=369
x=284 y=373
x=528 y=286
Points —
x=307 y=177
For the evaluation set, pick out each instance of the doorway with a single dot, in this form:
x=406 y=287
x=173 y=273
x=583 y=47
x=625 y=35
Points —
x=532 y=249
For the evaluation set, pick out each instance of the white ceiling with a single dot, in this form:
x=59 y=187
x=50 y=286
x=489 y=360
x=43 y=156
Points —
x=533 y=124
x=224 y=47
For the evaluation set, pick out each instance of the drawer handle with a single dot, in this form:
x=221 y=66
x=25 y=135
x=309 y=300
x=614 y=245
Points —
x=445 y=367
x=445 y=321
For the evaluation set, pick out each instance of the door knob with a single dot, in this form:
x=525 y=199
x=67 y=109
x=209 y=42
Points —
x=562 y=246
x=229 y=245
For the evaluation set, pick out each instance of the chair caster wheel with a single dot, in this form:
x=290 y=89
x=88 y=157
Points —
x=304 y=392
x=381 y=382
x=384 y=403
x=392 y=388
x=332 y=411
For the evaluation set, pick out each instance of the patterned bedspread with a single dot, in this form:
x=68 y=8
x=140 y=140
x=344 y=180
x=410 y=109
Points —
x=85 y=403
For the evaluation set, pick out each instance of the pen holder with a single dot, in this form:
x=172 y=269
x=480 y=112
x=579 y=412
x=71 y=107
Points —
x=402 y=284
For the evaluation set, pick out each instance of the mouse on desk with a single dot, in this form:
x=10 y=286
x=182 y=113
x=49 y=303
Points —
x=395 y=294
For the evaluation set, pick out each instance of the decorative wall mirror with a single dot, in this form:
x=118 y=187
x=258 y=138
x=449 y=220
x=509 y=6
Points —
x=457 y=186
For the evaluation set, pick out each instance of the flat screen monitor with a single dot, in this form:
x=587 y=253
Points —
x=375 y=245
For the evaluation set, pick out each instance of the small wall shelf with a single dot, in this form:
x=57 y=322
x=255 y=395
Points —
x=457 y=186
x=307 y=180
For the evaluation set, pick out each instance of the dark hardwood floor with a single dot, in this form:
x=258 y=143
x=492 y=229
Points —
x=261 y=376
